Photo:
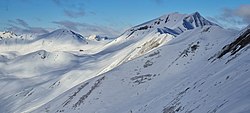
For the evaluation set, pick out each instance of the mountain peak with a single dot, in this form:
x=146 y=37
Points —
x=176 y=22
x=60 y=31
x=189 y=21
x=197 y=20
x=196 y=13
x=63 y=35
x=8 y=34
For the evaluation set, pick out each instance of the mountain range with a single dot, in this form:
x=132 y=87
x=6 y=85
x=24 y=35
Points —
x=177 y=63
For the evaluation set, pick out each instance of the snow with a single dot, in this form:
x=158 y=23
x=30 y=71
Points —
x=166 y=68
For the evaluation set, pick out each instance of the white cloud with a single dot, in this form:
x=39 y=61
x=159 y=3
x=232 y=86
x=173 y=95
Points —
x=238 y=17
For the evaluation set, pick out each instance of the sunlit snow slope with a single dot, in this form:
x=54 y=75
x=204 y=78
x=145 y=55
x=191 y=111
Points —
x=176 y=63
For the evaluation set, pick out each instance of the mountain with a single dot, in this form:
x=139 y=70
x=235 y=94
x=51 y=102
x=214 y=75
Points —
x=176 y=63
x=57 y=40
x=173 y=23
x=7 y=34
x=10 y=38
x=63 y=35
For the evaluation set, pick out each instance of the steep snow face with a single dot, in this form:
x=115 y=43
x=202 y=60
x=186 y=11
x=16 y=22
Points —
x=175 y=78
x=232 y=50
x=195 y=20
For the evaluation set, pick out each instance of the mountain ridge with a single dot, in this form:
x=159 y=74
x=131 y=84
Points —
x=166 y=68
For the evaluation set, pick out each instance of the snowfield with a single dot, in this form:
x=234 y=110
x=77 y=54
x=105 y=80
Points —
x=177 y=63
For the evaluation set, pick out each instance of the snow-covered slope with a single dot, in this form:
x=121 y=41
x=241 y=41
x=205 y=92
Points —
x=58 y=40
x=150 y=35
x=175 y=63
x=177 y=77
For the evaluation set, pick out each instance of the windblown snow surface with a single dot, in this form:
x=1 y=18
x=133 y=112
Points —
x=177 y=63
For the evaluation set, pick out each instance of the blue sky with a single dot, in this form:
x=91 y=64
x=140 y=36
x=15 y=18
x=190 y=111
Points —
x=112 y=16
